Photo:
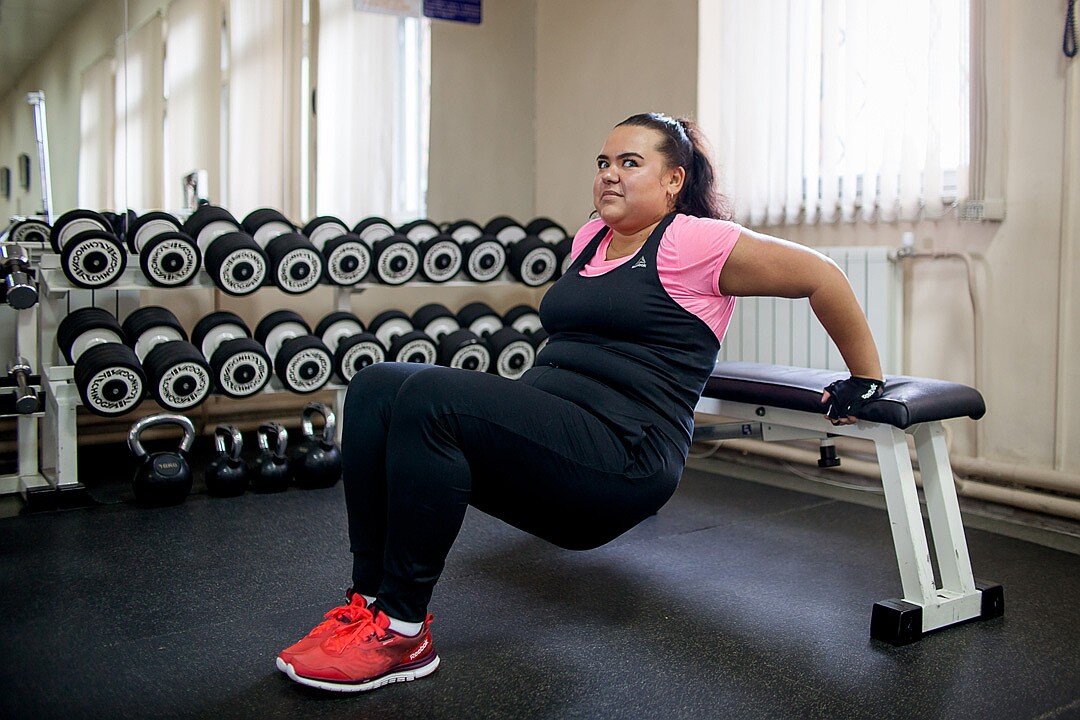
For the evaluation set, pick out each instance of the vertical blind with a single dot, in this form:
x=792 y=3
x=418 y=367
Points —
x=96 y=113
x=193 y=87
x=371 y=124
x=140 y=110
x=836 y=110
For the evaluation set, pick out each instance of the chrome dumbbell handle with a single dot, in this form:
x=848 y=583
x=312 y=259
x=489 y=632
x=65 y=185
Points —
x=26 y=398
x=19 y=288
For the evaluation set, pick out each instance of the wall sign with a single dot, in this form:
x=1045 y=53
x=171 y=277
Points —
x=466 y=11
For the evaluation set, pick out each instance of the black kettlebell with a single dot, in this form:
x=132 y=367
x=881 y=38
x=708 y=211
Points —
x=272 y=466
x=162 y=478
x=316 y=461
x=227 y=474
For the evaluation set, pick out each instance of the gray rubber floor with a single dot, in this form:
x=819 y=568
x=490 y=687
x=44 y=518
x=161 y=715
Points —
x=738 y=600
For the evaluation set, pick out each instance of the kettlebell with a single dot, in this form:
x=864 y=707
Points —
x=316 y=461
x=272 y=466
x=227 y=474
x=162 y=478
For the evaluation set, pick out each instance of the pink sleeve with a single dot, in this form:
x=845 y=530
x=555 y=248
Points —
x=704 y=245
x=584 y=235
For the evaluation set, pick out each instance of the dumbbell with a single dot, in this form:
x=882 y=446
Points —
x=346 y=258
x=91 y=255
x=240 y=365
x=27 y=231
x=526 y=320
x=108 y=374
x=20 y=288
x=440 y=255
x=483 y=256
x=555 y=235
x=162 y=478
x=402 y=341
x=27 y=401
x=271 y=470
x=227 y=473
x=458 y=347
x=530 y=260
x=394 y=259
x=511 y=352
x=167 y=256
x=234 y=261
x=316 y=460
x=178 y=376
x=302 y=362
x=354 y=349
x=295 y=264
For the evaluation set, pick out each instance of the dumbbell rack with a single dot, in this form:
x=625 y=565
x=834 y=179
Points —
x=27 y=475
x=59 y=441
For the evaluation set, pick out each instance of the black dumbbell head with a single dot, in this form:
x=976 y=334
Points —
x=511 y=353
x=236 y=263
x=389 y=324
x=74 y=222
x=464 y=230
x=395 y=260
x=355 y=353
x=228 y=325
x=170 y=259
x=29 y=232
x=464 y=349
x=84 y=328
x=413 y=347
x=522 y=318
x=532 y=261
x=346 y=259
x=419 y=230
x=209 y=222
x=546 y=229
x=440 y=258
x=148 y=318
x=110 y=380
x=321 y=229
x=178 y=376
x=336 y=326
x=241 y=367
x=147 y=226
x=304 y=364
x=93 y=259
x=480 y=318
x=295 y=265
x=483 y=258
x=373 y=229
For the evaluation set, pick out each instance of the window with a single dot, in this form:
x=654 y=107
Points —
x=371 y=124
x=837 y=110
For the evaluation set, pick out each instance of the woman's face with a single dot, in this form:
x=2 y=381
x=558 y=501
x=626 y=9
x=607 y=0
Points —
x=632 y=188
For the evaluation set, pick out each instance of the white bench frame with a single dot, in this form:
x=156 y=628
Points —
x=958 y=599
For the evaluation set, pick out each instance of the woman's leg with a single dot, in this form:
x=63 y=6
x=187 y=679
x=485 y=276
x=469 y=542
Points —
x=368 y=404
x=534 y=460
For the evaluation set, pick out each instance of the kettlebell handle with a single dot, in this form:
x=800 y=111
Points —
x=329 y=421
x=276 y=429
x=141 y=425
x=230 y=433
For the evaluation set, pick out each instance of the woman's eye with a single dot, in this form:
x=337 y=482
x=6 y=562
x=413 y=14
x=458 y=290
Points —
x=629 y=163
x=601 y=164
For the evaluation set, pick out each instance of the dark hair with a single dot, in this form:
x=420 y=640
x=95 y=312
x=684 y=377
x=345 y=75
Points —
x=684 y=145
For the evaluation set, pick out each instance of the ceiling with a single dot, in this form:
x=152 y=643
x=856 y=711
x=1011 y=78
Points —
x=27 y=28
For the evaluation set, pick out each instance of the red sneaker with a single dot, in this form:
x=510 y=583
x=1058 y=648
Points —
x=366 y=655
x=339 y=617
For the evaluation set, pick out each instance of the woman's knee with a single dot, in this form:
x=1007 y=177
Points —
x=378 y=383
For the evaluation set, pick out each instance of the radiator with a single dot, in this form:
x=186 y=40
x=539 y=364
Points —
x=779 y=331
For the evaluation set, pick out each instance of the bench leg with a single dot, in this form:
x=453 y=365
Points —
x=926 y=607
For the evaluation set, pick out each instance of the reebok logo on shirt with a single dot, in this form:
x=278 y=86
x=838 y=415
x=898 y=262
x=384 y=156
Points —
x=639 y=263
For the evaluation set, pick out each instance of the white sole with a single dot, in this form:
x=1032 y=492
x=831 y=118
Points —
x=404 y=676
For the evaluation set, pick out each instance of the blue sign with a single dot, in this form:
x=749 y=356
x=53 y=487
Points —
x=466 y=11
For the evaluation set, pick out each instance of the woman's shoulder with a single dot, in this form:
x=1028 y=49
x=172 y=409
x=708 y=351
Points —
x=709 y=227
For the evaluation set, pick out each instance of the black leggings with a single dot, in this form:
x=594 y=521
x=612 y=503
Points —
x=422 y=442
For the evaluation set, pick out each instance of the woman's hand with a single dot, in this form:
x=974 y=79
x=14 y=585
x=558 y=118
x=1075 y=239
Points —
x=844 y=398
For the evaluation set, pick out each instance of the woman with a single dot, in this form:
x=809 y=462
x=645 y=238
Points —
x=590 y=441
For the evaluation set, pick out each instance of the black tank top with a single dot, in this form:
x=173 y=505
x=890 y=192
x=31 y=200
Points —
x=623 y=349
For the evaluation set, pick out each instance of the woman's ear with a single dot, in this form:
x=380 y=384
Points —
x=675 y=179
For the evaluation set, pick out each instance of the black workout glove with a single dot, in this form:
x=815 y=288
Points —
x=847 y=397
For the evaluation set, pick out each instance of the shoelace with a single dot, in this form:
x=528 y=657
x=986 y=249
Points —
x=366 y=628
x=342 y=614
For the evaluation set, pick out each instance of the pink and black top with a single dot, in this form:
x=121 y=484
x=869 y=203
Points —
x=637 y=337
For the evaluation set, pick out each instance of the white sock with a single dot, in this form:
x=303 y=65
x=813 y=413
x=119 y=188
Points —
x=368 y=598
x=411 y=629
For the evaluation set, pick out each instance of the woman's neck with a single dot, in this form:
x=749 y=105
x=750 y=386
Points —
x=628 y=240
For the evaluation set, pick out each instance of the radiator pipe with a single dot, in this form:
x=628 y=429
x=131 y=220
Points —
x=1026 y=499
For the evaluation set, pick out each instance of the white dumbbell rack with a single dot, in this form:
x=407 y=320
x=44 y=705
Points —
x=28 y=474
x=59 y=432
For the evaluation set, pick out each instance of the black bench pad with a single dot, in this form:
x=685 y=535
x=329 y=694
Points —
x=907 y=400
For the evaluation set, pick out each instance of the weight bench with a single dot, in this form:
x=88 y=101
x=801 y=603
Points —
x=776 y=402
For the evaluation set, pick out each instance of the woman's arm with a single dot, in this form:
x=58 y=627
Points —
x=767 y=266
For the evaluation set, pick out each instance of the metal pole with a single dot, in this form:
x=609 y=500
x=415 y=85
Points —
x=37 y=99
